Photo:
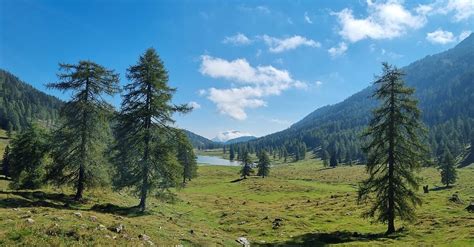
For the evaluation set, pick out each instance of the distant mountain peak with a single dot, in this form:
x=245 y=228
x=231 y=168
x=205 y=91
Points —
x=229 y=135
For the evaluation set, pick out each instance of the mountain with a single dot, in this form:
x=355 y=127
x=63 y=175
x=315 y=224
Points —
x=225 y=136
x=20 y=103
x=201 y=142
x=240 y=139
x=444 y=86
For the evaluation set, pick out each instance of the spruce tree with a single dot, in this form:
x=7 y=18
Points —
x=231 y=153
x=447 y=169
x=263 y=164
x=80 y=141
x=27 y=158
x=394 y=151
x=333 y=161
x=186 y=157
x=145 y=158
x=246 y=169
x=6 y=162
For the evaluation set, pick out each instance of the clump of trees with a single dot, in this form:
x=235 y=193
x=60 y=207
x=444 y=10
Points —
x=246 y=169
x=395 y=151
x=137 y=145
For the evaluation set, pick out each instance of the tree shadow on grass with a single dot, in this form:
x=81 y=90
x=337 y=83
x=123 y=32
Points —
x=327 y=238
x=118 y=210
x=20 y=199
x=440 y=188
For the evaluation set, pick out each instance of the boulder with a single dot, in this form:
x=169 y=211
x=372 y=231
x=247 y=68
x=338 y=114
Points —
x=93 y=218
x=243 y=241
x=455 y=198
x=77 y=214
x=470 y=208
x=144 y=237
x=119 y=228
x=30 y=221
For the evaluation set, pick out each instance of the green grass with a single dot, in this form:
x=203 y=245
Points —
x=317 y=205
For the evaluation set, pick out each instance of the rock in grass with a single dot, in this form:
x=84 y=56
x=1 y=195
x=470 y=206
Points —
x=143 y=237
x=117 y=229
x=30 y=221
x=470 y=208
x=93 y=218
x=101 y=227
x=78 y=214
x=243 y=241
x=456 y=199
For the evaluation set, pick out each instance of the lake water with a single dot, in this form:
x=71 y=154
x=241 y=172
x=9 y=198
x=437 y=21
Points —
x=213 y=160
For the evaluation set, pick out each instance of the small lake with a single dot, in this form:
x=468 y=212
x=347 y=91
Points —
x=217 y=161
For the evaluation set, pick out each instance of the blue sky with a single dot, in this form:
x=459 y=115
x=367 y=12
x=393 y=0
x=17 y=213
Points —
x=252 y=66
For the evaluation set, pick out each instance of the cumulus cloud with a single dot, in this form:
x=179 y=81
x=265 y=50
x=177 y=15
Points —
x=338 y=50
x=238 y=39
x=229 y=135
x=255 y=83
x=460 y=9
x=307 y=19
x=195 y=105
x=384 y=21
x=441 y=36
x=276 y=45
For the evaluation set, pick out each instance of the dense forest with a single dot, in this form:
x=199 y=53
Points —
x=201 y=142
x=20 y=103
x=444 y=87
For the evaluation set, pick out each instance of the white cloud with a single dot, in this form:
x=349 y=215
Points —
x=277 y=45
x=463 y=9
x=238 y=39
x=257 y=83
x=464 y=34
x=338 y=50
x=318 y=83
x=444 y=37
x=229 y=135
x=307 y=19
x=384 y=21
x=194 y=105
x=202 y=92
x=440 y=37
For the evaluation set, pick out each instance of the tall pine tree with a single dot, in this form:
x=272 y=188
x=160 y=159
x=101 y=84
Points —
x=246 y=169
x=80 y=141
x=263 y=164
x=394 y=151
x=447 y=169
x=144 y=158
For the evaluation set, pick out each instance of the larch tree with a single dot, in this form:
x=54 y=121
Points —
x=231 y=153
x=263 y=164
x=186 y=157
x=395 y=151
x=145 y=156
x=447 y=169
x=246 y=169
x=81 y=139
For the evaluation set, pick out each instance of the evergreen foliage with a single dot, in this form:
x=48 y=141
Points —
x=28 y=158
x=81 y=140
x=6 y=162
x=263 y=165
x=447 y=169
x=394 y=151
x=144 y=152
x=246 y=169
x=186 y=157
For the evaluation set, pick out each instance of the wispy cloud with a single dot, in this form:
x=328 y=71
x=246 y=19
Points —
x=194 y=105
x=276 y=45
x=237 y=39
x=440 y=36
x=338 y=50
x=256 y=84
x=307 y=19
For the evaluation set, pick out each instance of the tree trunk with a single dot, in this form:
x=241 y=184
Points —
x=85 y=116
x=144 y=189
x=391 y=159
x=80 y=184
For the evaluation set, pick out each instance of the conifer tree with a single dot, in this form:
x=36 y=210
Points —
x=145 y=159
x=80 y=141
x=186 y=157
x=263 y=164
x=6 y=162
x=447 y=169
x=27 y=158
x=231 y=153
x=333 y=161
x=394 y=151
x=246 y=169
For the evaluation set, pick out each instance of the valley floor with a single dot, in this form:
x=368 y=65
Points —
x=299 y=204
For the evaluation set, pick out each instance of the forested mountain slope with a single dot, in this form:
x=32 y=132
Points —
x=201 y=142
x=444 y=85
x=20 y=103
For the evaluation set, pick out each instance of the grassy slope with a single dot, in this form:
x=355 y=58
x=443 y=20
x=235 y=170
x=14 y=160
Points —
x=317 y=206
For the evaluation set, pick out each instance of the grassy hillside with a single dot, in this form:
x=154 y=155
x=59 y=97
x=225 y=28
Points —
x=316 y=206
